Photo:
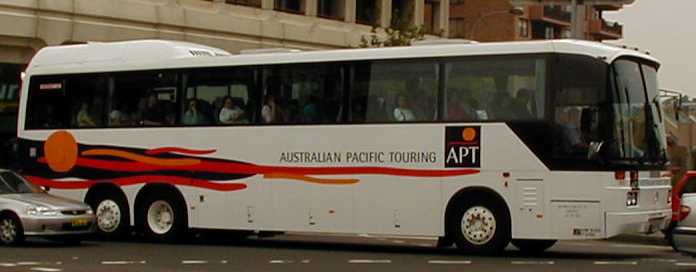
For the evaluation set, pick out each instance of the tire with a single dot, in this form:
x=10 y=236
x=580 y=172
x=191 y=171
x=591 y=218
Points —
x=163 y=217
x=11 y=230
x=489 y=233
x=533 y=246
x=112 y=214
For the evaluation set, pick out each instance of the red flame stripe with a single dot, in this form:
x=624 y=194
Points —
x=125 y=181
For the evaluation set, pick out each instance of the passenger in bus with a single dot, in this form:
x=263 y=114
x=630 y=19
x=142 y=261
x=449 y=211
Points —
x=83 y=118
x=117 y=117
x=500 y=106
x=154 y=113
x=457 y=109
x=231 y=113
x=310 y=111
x=50 y=120
x=403 y=111
x=521 y=105
x=571 y=137
x=193 y=115
x=271 y=111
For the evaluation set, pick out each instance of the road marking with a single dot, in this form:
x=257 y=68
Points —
x=281 y=261
x=365 y=261
x=424 y=245
x=122 y=262
x=640 y=246
x=45 y=269
x=685 y=264
x=223 y=261
x=75 y=258
x=449 y=262
x=576 y=244
x=658 y=260
x=533 y=262
x=7 y=265
x=615 y=263
x=399 y=241
x=194 y=262
x=304 y=261
x=28 y=263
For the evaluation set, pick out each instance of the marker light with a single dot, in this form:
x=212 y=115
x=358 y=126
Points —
x=632 y=198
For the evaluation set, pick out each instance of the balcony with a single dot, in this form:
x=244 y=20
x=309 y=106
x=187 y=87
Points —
x=555 y=15
x=605 y=30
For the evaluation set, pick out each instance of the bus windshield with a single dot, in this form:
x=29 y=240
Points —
x=638 y=132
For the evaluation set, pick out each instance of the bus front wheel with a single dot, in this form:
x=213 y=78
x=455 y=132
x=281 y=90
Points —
x=480 y=225
x=163 y=217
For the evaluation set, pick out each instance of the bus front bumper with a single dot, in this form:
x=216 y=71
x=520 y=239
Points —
x=637 y=222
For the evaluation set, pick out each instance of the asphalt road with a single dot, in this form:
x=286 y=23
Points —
x=296 y=252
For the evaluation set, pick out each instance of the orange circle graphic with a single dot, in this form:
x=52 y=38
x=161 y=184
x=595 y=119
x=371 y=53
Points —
x=60 y=150
x=469 y=134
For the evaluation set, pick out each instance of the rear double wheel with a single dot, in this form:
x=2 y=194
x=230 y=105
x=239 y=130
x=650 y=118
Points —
x=111 y=211
x=479 y=225
x=163 y=217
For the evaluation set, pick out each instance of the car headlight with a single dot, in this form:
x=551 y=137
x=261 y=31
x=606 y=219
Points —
x=42 y=211
x=90 y=211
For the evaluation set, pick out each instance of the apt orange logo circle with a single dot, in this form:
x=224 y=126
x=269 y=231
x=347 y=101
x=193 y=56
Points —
x=469 y=134
x=60 y=150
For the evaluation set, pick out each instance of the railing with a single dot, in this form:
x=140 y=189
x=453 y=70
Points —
x=612 y=27
x=557 y=13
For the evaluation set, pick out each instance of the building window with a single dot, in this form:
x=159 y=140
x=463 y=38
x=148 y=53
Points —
x=402 y=12
x=251 y=3
x=523 y=28
x=566 y=34
x=366 y=12
x=431 y=17
x=292 y=6
x=332 y=9
x=549 y=33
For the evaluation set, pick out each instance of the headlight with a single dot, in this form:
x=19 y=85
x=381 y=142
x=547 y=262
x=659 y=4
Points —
x=42 y=211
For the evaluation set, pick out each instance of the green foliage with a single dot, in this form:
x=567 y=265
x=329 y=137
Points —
x=402 y=32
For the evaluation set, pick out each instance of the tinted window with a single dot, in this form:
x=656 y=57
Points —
x=503 y=89
x=302 y=94
x=578 y=103
x=76 y=101
x=219 y=96
x=144 y=99
x=11 y=183
x=394 y=91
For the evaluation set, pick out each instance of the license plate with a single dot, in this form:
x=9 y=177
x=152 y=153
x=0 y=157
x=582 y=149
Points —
x=79 y=222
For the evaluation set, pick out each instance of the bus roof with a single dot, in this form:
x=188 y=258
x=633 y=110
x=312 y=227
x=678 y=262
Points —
x=160 y=54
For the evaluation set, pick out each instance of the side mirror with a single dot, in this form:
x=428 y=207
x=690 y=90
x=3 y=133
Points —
x=594 y=151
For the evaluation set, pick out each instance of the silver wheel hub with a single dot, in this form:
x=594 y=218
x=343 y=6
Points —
x=108 y=215
x=8 y=230
x=160 y=217
x=478 y=225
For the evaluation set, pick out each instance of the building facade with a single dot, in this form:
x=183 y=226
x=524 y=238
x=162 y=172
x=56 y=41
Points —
x=506 y=20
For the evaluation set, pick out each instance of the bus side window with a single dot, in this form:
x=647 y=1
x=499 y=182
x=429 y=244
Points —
x=219 y=96
x=87 y=95
x=48 y=106
x=143 y=99
x=394 y=91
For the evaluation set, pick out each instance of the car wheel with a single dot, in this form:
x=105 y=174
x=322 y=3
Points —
x=480 y=225
x=163 y=218
x=11 y=231
x=111 y=211
x=533 y=246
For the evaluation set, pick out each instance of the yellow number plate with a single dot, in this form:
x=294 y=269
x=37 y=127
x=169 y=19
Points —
x=79 y=222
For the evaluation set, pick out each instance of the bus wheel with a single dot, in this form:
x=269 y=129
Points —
x=11 y=231
x=480 y=225
x=111 y=211
x=533 y=246
x=163 y=217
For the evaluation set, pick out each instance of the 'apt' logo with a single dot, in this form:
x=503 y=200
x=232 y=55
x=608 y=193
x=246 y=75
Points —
x=463 y=146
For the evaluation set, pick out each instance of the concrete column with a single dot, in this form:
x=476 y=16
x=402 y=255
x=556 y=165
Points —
x=267 y=4
x=418 y=12
x=311 y=7
x=350 y=10
x=385 y=10
x=444 y=17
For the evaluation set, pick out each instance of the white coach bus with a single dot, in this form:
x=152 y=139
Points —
x=479 y=144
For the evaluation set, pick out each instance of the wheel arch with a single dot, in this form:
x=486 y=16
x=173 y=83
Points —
x=478 y=191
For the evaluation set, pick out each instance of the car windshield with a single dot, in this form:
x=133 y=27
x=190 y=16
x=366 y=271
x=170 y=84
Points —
x=15 y=184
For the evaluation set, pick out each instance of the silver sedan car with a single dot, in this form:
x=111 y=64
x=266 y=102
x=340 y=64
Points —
x=27 y=210
x=683 y=237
